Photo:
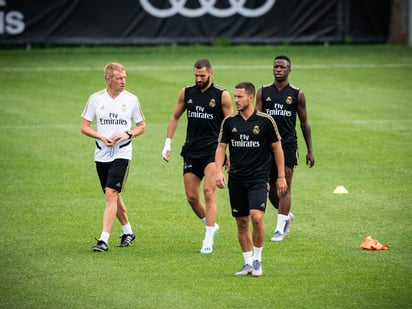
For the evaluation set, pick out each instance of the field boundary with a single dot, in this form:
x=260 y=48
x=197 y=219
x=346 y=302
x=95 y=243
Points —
x=218 y=67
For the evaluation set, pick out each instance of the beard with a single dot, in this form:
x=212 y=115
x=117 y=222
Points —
x=203 y=85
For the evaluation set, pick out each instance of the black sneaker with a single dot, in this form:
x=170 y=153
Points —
x=126 y=240
x=101 y=246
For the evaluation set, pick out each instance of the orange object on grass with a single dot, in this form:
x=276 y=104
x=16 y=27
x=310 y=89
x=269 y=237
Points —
x=372 y=244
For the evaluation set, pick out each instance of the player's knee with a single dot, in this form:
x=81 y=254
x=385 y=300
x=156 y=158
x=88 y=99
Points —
x=209 y=194
x=257 y=221
x=192 y=199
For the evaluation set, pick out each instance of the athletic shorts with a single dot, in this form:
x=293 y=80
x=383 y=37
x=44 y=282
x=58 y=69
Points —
x=197 y=166
x=113 y=174
x=291 y=156
x=246 y=196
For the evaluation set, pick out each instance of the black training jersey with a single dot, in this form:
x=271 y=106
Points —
x=250 y=145
x=204 y=116
x=282 y=106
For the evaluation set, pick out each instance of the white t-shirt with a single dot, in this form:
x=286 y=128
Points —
x=113 y=116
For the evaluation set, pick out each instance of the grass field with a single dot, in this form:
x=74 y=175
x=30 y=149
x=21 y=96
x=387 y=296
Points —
x=51 y=208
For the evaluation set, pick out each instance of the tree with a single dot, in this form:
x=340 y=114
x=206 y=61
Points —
x=398 y=24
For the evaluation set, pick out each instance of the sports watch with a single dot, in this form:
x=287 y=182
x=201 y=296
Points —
x=129 y=133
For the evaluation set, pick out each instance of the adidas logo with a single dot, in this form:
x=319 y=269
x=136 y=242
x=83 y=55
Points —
x=190 y=101
x=234 y=130
x=268 y=99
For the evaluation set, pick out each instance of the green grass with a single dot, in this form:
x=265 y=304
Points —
x=51 y=207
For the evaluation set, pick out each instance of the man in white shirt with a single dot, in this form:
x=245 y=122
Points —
x=114 y=110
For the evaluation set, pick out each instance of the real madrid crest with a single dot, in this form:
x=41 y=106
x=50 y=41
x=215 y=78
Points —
x=256 y=130
x=123 y=108
x=212 y=103
x=289 y=100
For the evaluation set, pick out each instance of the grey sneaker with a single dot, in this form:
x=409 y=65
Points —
x=126 y=240
x=257 y=268
x=101 y=246
x=245 y=270
x=278 y=236
x=288 y=223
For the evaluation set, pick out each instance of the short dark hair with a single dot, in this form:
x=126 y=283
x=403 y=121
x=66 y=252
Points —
x=248 y=86
x=283 y=57
x=201 y=63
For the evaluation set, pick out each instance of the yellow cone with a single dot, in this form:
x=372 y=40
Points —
x=340 y=190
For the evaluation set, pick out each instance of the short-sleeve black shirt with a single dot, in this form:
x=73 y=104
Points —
x=250 y=145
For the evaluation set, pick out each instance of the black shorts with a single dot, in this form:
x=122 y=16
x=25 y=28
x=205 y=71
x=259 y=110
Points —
x=197 y=166
x=291 y=156
x=246 y=196
x=113 y=174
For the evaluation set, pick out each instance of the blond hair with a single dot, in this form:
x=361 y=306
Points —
x=111 y=67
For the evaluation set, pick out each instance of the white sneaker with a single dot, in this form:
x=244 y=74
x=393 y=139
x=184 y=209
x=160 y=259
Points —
x=245 y=270
x=257 y=269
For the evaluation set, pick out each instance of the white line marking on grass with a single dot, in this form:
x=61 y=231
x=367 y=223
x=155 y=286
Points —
x=40 y=126
x=376 y=121
x=362 y=121
x=219 y=67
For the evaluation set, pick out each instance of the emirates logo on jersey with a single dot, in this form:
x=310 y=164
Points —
x=288 y=100
x=212 y=103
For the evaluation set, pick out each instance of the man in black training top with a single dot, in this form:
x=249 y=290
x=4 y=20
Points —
x=206 y=104
x=253 y=141
x=283 y=102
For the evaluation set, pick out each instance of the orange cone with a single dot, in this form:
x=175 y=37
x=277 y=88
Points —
x=372 y=244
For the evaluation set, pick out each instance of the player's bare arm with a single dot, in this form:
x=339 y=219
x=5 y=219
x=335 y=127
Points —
x=281 y=183
x=123 y=136
x=227 y=106
x=139 y=129
x=173 y=123
x=86 y=129
x=259 y=103
x=305 y=127
x=219 y=159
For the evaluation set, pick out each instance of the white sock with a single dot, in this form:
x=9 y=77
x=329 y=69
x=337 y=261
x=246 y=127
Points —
x=248 y=257
x=105 y=237
x=203 y=220
x=257 y=253
x=210 y=230
x=127 y=228
x=281 y=222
